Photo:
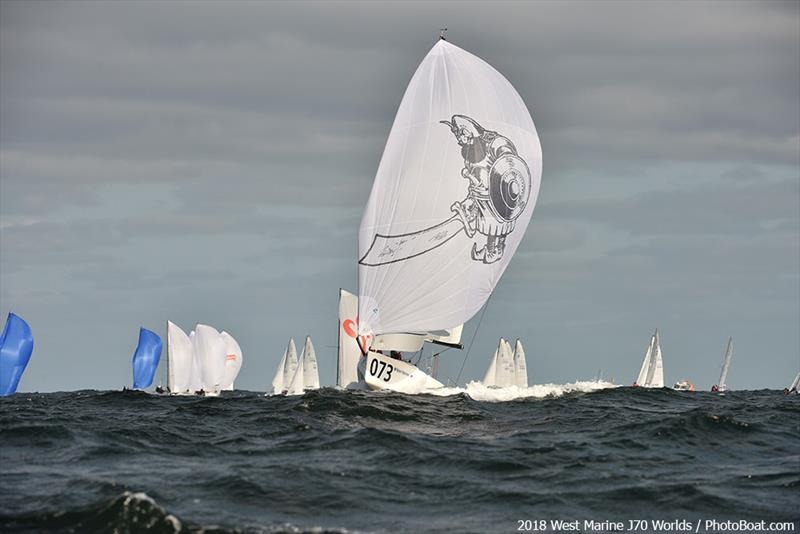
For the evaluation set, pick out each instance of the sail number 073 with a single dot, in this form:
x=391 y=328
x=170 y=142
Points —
x=377 y=369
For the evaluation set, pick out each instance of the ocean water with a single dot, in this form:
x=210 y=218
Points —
x=474 y=460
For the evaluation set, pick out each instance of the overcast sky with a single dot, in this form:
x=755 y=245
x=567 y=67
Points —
x=209 y=162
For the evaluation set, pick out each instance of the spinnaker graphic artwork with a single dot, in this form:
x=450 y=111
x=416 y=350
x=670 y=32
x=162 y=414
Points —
x=16 y=347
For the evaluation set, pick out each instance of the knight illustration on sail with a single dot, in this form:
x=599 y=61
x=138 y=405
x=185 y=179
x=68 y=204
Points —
x=443 y=219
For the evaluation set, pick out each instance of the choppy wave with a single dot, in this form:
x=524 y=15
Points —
x=470 y=459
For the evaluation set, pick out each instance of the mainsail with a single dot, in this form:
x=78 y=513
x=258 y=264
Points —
x=16 y=347
x=520 y=366
x=233 y=361
x=726 y=363
x=278 y=380
x=179 y=358
x=309 y=364
x=452 y=197
x=793 y=388
x=196 y=374
x=349 y=352
x=651 y=375
x=145 y=358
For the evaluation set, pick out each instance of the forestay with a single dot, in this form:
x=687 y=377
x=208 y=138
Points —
x=452 y=197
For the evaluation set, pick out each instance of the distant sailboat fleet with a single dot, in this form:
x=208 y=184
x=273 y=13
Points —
x=296 y=375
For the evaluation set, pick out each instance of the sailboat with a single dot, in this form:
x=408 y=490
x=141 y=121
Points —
x=520 y=365
x=179 y=360
x=233 y=361
x=284 y=376
x=726 y=363
x=306 y=375
x=651 y=375
x=452 y=198
x=209 y=352
x=145 y=358
x=16 y=347
x=794 y=388
x=308 y=362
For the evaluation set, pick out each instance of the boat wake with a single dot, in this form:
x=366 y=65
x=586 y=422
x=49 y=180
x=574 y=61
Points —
x=480 y=392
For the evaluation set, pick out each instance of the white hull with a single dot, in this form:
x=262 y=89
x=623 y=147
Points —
x=383 y=372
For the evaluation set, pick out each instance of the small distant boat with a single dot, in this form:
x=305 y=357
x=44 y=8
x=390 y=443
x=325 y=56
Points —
x=683 y=385
x=16 y=347
x=145 y=358
x=794 y=388
x=287 y=368
x=233 y=361
x=180 y=359
x=308 y=362
x=520 y=365
x=651 y=375
x=210 y=351
x=507 y=367
x=726 y=363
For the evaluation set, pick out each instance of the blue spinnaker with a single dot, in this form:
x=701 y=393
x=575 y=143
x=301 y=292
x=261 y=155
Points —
x=16 y=346
x=145 y=359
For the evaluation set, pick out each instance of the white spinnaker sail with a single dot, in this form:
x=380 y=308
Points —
x=452 y=197
x=309 y=363
x=490 y=378
x=520 y=366
x=504 y=374
x=196 y=375
x=291 y=365
x=349 y=353
x=278 y=385
x=179 y=356
x=726 y=363
x=233 y=361
x=211 y=355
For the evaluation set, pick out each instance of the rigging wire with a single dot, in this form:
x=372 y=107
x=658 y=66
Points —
x=475 y=333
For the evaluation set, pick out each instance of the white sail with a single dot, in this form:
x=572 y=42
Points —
x=278 y=384
x=726 y=363
x=452 y=197
x=520 y=366
x=504 y=373
x=295 y=385
x=233 y=361
x=447 y=337
x=795 y=384
x=641 y=379
x=196 y=374
x=489 y=378
x=309 y=364
x=657 y=378
x=291 y=364
x=211 y=351
x=179 y=358
x=348 y=353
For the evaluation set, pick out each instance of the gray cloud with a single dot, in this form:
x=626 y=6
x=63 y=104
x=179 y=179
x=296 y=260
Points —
x=210 y=161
